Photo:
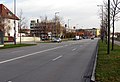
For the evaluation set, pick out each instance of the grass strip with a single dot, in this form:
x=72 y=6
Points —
x=108 y=66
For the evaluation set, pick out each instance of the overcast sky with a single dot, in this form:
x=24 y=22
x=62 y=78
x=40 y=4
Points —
x=82 y=13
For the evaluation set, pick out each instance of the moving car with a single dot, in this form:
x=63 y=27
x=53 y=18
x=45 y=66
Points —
x=77 y=38
x=56 y=40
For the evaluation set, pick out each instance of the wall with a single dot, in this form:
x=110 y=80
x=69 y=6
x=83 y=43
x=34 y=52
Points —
x=31 y=39
x=11 y=24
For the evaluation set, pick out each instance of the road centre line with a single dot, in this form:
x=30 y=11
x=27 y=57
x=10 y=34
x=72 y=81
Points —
x=57 y=58
x=74 y=49
x=66 y=45
x=20 y=57
x=9 y=81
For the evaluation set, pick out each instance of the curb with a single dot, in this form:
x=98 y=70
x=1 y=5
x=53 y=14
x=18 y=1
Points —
x=95 y=63
x=89 y=75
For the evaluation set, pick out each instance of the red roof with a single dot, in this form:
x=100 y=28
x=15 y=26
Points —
x=6 y=13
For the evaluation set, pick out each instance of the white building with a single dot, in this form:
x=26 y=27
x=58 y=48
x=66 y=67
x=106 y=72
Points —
x=7 y=21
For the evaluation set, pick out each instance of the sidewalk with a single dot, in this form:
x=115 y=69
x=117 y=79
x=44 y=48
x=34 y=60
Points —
x=117 y=42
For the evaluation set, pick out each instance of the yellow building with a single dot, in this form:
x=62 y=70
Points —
x=98 y=32
x=94 y=31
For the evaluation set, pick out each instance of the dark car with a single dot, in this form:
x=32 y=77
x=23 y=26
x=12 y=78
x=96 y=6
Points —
x=92 y=38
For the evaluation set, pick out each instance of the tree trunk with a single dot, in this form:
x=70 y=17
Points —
x=113 y=34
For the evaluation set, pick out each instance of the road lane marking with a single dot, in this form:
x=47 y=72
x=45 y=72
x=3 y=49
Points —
x=17 y=51
x=66 y=45
x=20 y=57
x=57 y=58
x=9 y=81
x=74 y=49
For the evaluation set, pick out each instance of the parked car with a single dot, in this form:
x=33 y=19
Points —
x=56 y=40
x=92 y=38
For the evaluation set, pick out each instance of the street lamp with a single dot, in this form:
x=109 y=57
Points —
x=108 y=49
x=102 y=12
x=103 y=29
x=77 y=26
x=55 y=24
x=14 y=22
x=68 y=22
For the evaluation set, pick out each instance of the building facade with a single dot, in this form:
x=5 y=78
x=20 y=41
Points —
x=45 y=30
x=94 y=31
x=7 y=21
x=88 y=32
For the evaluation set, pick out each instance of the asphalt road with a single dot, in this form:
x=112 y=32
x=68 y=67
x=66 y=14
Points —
x=52 y=62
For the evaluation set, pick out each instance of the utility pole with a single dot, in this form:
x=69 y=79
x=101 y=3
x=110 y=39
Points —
x=108 y=49
x=55 y=24
x=68 y=23
x=102 y=12
x=14 y=22
x=103 y=29
x=19 y=26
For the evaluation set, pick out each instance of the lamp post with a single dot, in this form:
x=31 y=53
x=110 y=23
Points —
x=102 y=34
x=108 y=49
x=14 y=22
x=68 y=22
x=102 y=12
x=77 y=26
x=55 y=24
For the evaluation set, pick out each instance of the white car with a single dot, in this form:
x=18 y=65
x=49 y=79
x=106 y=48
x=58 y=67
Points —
x=56 y=40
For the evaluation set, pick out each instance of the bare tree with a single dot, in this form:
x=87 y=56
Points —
x=5 y=26
x=104 y=21
x=59 y=28
x=1 y=30
x=2 y=24
x=22 y=23
x=115 y=10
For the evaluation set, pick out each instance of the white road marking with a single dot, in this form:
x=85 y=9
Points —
x=66 y=45
x=74 y=49
x=57 y=58
x=17 y=51
x=9 y=60
x=9 y=81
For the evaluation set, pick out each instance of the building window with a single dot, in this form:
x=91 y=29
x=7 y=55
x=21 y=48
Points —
x=9 y=13
x=5 y=8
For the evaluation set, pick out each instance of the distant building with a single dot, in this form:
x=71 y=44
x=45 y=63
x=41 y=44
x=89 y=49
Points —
x=116 y=35
x=94 y=31
x=88 y=32
x=45 y=30
x=24 y=32
x=69 y=30
x=7 y=21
